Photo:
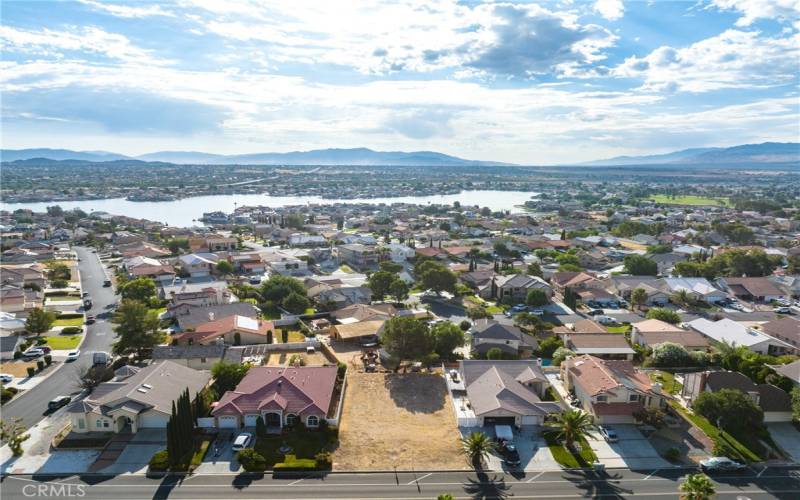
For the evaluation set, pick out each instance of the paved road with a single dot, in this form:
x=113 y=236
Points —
x=771 y=483
x=31 y=404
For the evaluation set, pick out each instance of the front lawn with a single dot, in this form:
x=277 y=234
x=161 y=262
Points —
x=724 y=443
x=667 y=381
x=62 y=298
x=304 y=444
x=566 y=458
x=494 y=309
x=619 y=329
x=63 y=342
x=69 y=322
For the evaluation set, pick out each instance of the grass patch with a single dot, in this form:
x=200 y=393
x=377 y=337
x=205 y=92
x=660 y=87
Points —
x=565 y=457
x=62 y=342
x=199 y=453
x=691 y=200
x=305 y=445
x=346 y=269
x=619 y=329
x=159 y=311
x=69 y=322
x=62 y=298
x=667 y=381
x=724 y=443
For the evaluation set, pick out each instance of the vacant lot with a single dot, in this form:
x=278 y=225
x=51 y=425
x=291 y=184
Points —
x=279 y=358
x=17 y=369
x=397 y=420
x=690 y=200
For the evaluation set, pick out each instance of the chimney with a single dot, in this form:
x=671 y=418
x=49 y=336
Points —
x=211 y=316
x=657 y=387
x=539 y=362
x=280 y=383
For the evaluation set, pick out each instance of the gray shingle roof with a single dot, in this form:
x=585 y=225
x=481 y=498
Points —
x=493 y=385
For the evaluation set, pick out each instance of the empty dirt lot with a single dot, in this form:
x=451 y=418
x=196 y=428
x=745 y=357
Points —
x=397 y=420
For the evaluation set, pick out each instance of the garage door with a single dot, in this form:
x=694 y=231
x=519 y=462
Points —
x=228 y=422
x=250 y=420
x=499 y=421
x=616 y=419
x=153 y=420
x=530 y=420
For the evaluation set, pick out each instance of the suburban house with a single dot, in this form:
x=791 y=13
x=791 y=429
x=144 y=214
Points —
x=699 y=289
x=197 y=294
x=198 y=357
x=775 y=402
x=515 y=287
x=190 y=316
x=364 y=332
x=507 y=392
x=136 y=399
x=284 y=263
x=334 y=293
x=652 y=332
x=23 y=274
x=280 y=396
x=358 y=255
x=233 y=330
x=400 y=253
x=198 y=265
x=480 y=281
x=612 y=391
x=734 y=333
x=140 y=266
x=625 y=285
x=753 y=289
x=786 y=329
x=487 y=334
x=580 y=326
x=601 y=345
x=790 y=371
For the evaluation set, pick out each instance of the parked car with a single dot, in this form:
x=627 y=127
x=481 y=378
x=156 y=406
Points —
x=510 y=454
x=33 y=352
x=720 y=464
x=595 y=312
x=537 y=312
x=73 y=355
x=242 y=441
x=6 y=378
x=783 y=310
x=85 y=294
x=606 y=320
x=107 y=283
x=90 y=319
x=609 y=434
x=255 y=280
x=58 y=402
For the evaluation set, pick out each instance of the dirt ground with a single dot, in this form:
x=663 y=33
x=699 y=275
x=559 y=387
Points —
x=397 y=420
x=17 y=369
x=282 y=357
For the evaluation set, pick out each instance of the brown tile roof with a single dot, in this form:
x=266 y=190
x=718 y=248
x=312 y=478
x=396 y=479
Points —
x=596 y=375
x=757 y=287
x=786 y=328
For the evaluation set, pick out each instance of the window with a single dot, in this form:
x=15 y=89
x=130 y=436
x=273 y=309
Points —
x=291 y=419
x=202 y=360
x=312 y=421
x=633 y=397
x=106 y=424
x=602 y=399
x=81 y=423
x=99 y=423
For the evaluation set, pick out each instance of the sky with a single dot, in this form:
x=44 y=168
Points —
x=532 y=83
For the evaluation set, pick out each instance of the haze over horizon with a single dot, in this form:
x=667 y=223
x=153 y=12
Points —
x=523 y=83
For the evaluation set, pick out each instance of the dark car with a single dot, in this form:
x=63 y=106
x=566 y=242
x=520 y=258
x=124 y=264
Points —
x=58 y=402
x=90 y=319
x=107 y=283
x=510 y=454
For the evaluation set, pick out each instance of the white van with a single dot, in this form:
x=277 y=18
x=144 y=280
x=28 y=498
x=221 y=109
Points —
x=242 y=441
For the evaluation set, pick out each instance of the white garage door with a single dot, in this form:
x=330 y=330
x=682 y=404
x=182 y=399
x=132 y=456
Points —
x=530 y=420
x=250 y=420
x=228 y=422
x=153 y=420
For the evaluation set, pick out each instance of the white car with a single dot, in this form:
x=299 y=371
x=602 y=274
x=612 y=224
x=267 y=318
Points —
x=242 y=441
x=6 y=378
x=73 y=355
x=606 y=320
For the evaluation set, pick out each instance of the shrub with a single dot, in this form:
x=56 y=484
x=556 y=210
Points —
x=670 y=354
x=40 y=365
x=7 y=393
x=324 y=459
x=672 y=454
x=41 y=341
x=159 y=461
x=17 y=354
x=251 y=460
x=341 y=369
x=292 y=463
x=31 y=371
x=465 y=325
x=48 y=359
x=59 y=284
x=71 y=330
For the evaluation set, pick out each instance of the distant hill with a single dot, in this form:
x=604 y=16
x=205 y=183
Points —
x=355 y=156
x=767 y=152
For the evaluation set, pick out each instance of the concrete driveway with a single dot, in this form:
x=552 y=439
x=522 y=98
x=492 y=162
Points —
x=533 y=452
x=787 y=437
x=220 y=457
x=137 y=453
x=632 y=451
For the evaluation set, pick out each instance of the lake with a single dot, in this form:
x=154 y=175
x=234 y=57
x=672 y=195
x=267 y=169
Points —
x=186 y=211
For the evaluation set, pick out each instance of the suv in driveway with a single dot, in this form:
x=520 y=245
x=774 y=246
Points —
x=609 y=434
x=242 y=441
x=509 y=453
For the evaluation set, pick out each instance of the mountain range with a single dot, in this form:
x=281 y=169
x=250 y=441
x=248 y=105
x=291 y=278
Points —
x=767 y=152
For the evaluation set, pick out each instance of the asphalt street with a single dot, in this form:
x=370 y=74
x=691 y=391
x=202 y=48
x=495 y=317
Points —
x=755 y=484
x=32 y=404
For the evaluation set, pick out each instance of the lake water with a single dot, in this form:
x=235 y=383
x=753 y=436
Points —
x=186 y=211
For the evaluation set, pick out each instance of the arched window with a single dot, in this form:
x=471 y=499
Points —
x=312 y=421
x=291 y=419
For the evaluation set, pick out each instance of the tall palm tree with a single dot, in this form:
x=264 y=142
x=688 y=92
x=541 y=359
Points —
x=697 y=487
x=574 y=425
x=638 y=296
x=476 y=446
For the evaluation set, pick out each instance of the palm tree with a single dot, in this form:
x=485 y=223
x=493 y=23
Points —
x=574 y=425
x=476 y=446
x=682 y=298
x=730 y=355
x=638 y=296
x=445 y=496
x=697 y=487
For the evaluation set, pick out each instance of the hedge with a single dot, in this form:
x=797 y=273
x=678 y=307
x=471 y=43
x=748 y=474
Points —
x=292 y=463
x=70 y=330
x=251 y=460
x=68 y=315
x=160 y=461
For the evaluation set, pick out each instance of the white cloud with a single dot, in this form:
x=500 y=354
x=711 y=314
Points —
x=753 y=10
x=610 y=9
x=732 y=59
x=127 y=11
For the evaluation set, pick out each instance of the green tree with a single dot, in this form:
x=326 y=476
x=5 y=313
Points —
x=549 y=345
x=446 y=338
x=574 y=425
x=639 y=265
x=13 y=433
x=796 y=404
x=278 y=287
x=227 y=376
x=176 y=244
x=638 y=297
x=731 y=409
x=39 y=321
x=399 y=290
x=651 y=416
x=670 y=354
x=296 y=303
x=406 y=338
x=436 y=277
x=141 y=289
x=494 y=353
x=697 y=487
x=534 y=269
x=137 y=329
x=477 y=446
x=536 y=298
x=560 y=355
x=224 y=267
x=662 y=314
x=380 y=283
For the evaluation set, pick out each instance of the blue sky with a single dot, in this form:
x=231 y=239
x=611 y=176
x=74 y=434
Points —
x=530 y=83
